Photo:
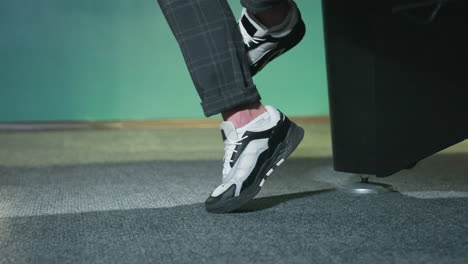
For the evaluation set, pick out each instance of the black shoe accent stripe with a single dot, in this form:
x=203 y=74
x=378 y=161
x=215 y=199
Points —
x=279 y=134
x=248 y=26
x=223 y=135
x=252 y=136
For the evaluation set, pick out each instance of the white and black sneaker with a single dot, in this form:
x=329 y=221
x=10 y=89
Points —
x=265 y=44
x=251 y=154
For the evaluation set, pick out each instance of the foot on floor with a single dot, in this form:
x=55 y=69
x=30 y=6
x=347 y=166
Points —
x=251 y=154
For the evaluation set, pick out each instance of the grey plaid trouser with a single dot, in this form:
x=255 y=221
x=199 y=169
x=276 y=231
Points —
x=212 y=46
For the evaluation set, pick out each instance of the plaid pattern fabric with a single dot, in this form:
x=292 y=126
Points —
x=212 y=46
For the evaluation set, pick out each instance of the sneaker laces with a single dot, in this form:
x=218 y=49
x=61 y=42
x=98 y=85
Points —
x=248 y=40
x=229 y=149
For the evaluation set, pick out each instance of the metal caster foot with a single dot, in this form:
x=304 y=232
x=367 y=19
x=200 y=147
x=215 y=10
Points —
x=366 y=187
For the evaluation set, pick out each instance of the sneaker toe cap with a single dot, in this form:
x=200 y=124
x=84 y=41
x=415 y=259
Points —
x=228 y=194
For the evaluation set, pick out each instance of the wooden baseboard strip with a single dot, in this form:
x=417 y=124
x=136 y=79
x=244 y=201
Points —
x=135 y=124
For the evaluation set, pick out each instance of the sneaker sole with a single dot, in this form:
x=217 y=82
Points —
x=291 y=141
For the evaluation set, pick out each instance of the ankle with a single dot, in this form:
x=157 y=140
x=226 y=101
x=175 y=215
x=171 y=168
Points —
x=274 y=16
x=242 y=115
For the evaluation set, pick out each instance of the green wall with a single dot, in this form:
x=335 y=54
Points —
x=117 y=59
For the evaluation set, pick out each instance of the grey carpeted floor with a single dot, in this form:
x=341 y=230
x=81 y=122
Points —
x=102 y=197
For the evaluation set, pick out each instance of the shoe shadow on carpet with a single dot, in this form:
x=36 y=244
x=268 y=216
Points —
x=263 y=203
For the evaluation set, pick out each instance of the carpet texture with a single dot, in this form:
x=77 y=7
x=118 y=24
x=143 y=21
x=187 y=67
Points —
x=61 y=207
x=327 y=227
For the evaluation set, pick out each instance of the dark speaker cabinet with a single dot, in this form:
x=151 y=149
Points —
x=398 y=81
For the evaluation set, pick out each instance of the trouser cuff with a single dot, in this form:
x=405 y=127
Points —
x=220 y=104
